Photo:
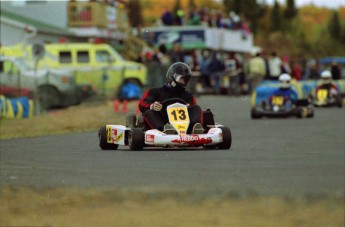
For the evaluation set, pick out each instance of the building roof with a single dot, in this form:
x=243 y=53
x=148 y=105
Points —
x=41 y=26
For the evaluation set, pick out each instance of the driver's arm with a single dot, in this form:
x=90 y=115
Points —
x=191 y=100
x=147 y=99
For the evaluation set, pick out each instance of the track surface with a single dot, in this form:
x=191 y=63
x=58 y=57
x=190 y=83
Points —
x=268 y=156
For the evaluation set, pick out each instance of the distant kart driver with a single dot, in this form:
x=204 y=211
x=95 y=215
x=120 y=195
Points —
x=285 y=90
x=326 y=82
x=150 y=105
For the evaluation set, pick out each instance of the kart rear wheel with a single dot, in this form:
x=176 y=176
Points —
x=310 y=113
x=302 y=112
x=103 y=144
x=227 y=139
x=340 y=101
x=136 y=139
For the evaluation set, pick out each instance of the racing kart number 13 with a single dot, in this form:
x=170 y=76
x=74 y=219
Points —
x=178 y=114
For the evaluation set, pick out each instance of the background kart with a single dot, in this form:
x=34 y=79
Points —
x=323 y=98
x=136 y=135
x=267 y=102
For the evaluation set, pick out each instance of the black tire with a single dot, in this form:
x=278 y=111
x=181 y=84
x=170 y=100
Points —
x=311 y=113
x=131 y=120
x=49 y=97
x=340 y=101
x=103 y=144
x=302 y=112
x=227 y=139
x=254 y=114
x=136 y=139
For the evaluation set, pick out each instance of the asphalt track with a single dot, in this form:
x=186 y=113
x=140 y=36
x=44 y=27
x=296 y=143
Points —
x=287 y=156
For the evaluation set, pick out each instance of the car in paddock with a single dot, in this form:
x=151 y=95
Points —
x=54 y=87
x=137 y=135
x=280 y=100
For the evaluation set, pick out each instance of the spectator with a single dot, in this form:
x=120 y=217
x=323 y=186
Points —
x=176 y=54
x=179 y=17
x=167 y=18
x=256 y=70
x=285 y=67
x=335 y=70
x=216 y=68
x=313 y=70
x=296 y=71
x=194 y=18
x=205 y=73
x=275 y=64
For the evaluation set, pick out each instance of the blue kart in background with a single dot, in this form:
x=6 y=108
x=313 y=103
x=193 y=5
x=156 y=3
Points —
x=268 y=100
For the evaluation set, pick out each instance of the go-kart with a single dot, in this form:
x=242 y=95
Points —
x=280 y=106
x=137 y=135
x=323 y=97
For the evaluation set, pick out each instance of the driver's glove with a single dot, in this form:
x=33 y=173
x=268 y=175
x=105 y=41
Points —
x=156 y=106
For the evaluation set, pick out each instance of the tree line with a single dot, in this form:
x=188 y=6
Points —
x=272 y=25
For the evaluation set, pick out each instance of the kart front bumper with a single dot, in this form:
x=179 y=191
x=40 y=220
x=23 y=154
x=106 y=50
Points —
x=271 y=113
x=157 y=138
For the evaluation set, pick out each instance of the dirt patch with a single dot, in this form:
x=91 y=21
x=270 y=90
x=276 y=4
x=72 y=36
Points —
x=115 y=207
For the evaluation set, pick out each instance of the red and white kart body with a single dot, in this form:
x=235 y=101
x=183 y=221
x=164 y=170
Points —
x=215 y=136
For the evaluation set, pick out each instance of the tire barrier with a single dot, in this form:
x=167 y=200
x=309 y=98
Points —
x=21 y=107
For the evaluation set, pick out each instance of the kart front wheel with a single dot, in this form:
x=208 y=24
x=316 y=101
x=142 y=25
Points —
x=103 y=140
x=254 y=114
x=136 y=139
x=227 y=139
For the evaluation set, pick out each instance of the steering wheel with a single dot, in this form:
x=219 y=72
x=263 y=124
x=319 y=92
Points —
x=170 y=101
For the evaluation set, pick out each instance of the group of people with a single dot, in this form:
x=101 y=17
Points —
x=205 y=17
x=214 y=70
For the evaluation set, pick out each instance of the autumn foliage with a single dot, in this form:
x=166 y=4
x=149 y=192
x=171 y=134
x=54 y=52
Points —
x=307 y=34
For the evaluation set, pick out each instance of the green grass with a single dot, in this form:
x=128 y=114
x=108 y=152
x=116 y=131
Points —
x=88 y=116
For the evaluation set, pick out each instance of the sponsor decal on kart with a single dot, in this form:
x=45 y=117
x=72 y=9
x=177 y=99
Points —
x=149 y=138
x=192 y=139
x=111 y=134
x=118 y=138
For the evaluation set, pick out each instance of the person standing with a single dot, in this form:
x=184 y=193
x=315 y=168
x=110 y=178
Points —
x=256 y=70
x=335 y=71
x=274 y=63
x=216 y=68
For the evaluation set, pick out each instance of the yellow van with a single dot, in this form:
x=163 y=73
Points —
x=96 y=64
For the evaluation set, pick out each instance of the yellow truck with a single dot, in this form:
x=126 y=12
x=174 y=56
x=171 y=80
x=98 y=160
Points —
x=96 y=64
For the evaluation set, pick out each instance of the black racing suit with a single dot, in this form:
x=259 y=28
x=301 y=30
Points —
x=157 y=119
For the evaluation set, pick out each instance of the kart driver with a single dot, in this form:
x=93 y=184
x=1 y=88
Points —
x=150 y=105
x=327 y=83
x=285 y=89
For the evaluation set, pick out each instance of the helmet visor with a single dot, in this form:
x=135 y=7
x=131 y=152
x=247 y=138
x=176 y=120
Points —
x=181 y=79
x=285 y=84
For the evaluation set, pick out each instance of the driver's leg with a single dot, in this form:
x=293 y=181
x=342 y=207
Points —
x=154 y=119
x=195 y=116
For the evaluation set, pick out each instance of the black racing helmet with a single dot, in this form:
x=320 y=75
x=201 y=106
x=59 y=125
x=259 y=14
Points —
x=179 y=74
